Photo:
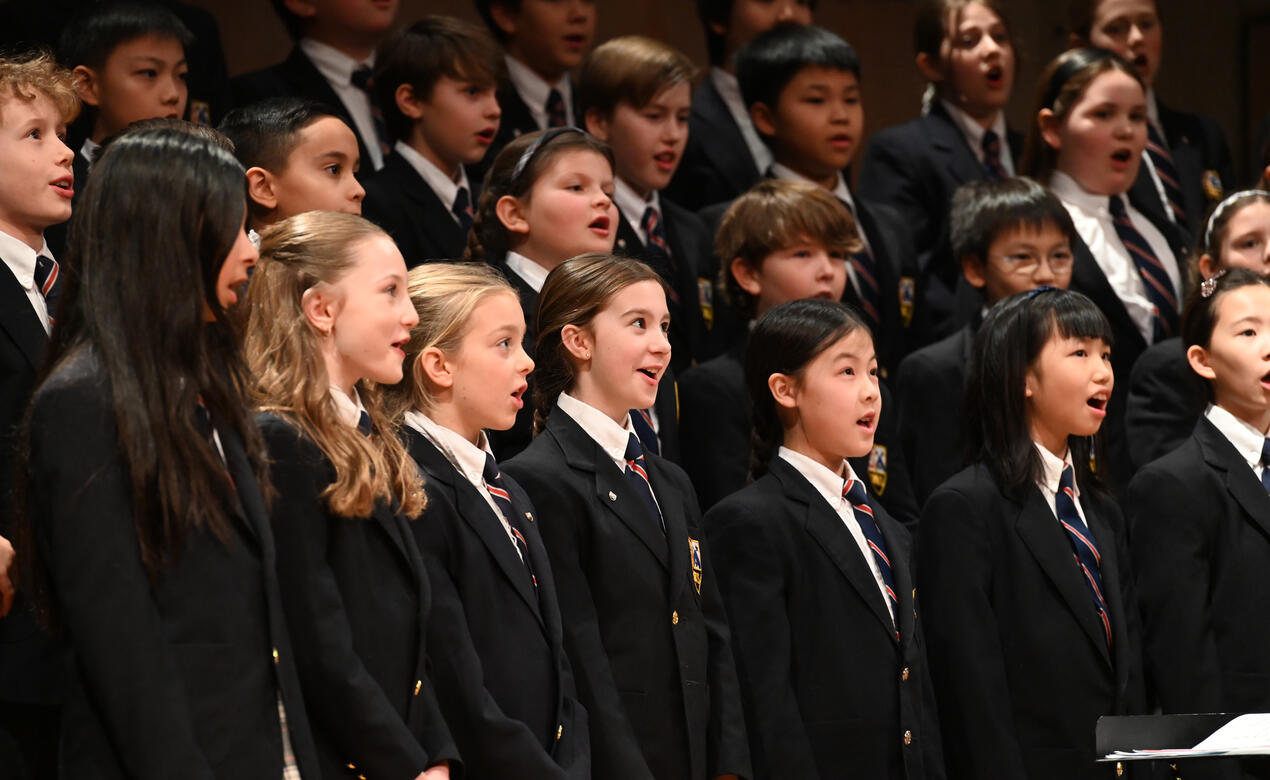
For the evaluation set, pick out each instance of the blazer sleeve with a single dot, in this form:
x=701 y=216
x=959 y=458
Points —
x=83 y=520
x=967 y=665
x=613 y=740
x=346 y=701
x=456 y=666
x=714 y=449
x=1162 y=407
x=887 y=178
x=753 y=565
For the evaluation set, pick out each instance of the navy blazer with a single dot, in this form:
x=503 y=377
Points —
x=829 y=690
x=1018 y=653
x=176 y=676
x=401 y=202
x=516 y=120
x=929 y=394
x=297 y=76
x=645 y=629
x=1200 y=539
x=1166 y=398
x=357 y=599
x=915 y=168
x=498 y=659
x=717 y=165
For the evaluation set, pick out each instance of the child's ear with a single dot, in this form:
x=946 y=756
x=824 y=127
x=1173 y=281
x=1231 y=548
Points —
x=408 y=101
x=434 y=367
x=260 y=187
x=578 y=341
x=746 y=275
x=305 y=9
x=930 y=68
x=764 y=119
x=1197 y=356
x=597 y=124
x=1029 y=380
x=1048 y=124
x=512 y=214
x=1206 y=266
x=85 y=80
x=784 y=390
x=320 y=307
x=975 y=271
x=504 y=17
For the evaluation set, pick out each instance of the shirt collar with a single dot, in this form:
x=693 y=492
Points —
x=611 y=436
x=534 y=274
x=631 y=204
x=1153 y=110
x=334 y=65
x=88 y=150
x=1245 y=438
x=1052 y=470
x=1067 y=189
x=972 y=130
x=840 y=190
x=465 y=456
x=436 y=179
x=20 y=258
x=349 y=410
x=533 y=89
x=730 y=90
x=828 y=484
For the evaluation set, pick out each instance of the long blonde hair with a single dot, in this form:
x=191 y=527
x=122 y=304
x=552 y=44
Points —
x=284 y=352
x=444 y=296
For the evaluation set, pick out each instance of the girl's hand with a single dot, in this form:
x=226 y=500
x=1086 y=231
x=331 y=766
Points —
x=438 y=772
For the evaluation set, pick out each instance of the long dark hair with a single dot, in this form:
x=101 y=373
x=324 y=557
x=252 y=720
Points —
x=156 y=222
x=1009 y=341
x=784 y=340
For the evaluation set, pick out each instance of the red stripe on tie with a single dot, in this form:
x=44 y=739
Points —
x=1076 y=533
x=638 y=469
x=52 y=278
x=1092 y=583
x=881 y=555
x=864 y=274
x=498 y=492
x=1160 y=288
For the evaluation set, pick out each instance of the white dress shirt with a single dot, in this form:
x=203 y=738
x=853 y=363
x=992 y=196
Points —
x=348 y=409
x=1246 y=439
x=632 y=207
x=445 y=188
x=1092 y=218
x=829 y=485
x=530 y=271
x=534 y=90
x=973 y=132
x=337 y=68
x=730 y=90
x=611 y=436
x=1051 y=476
x=20 y=258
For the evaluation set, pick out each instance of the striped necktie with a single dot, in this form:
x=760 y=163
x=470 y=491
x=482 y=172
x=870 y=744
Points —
x=866 y=274
x=48 y=280
x=637 y=475
x=503 y=500
x=642 y=422
x=1162 y=161
x=555 y=109
x=658 y=251
x=854 y=493
x=992 y=156
x=1265 y=465
x=1083 y=543
x=1158 y=285
x=363 y=424
x=361 y=79
x=462 y=209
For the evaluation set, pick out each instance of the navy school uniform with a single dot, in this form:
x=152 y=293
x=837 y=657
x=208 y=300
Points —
x=498 y=659
x=717 y=165
x=691 y=249
x=715 y=429
x=357 y=599
x=508 y=443
x=1165 y=400
x=915 y=168
x=1018 y=654
x=1200 y=521
x=181 y=676
x=829 y=689
x=929 y=389
x=645 y=629
x=399 y=200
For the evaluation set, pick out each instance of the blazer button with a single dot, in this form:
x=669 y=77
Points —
x=529 y=516
x=275 y=655
x=559 y=731
x=674 y=618
x=352 y=766
x=612 y=496
x=908 y=737
x=418 y=685
x=904 y=674
x=1119 y=769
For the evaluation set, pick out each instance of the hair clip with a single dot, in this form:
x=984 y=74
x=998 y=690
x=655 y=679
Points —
x=1035 y=291
x=1209 y=285
x=538 y=143
x=254 y=238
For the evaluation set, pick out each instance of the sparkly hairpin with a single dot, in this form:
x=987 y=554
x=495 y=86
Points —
x=1209 y=285
x=254 y=238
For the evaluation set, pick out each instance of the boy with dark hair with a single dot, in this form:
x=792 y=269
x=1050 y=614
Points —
x=725 y=155
x=543 y=41
x=1010 y=236
x=435 y=80
x=802 y=87
x=37 y=101
x=300 y=156
x=331 y=63
x=634 y=94
x=781 y=241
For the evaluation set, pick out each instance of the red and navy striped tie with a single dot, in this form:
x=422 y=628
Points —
x=637 y=474
x=992 y=156
x=658 y=251
x=1265 y=465
x=1162 y=161
x=1155 y=278
x=503 y=500
x=853 y=491
x=47 y=278
x=364 y=426
x=555 y=109
x=1083 y=543
x=866 y=274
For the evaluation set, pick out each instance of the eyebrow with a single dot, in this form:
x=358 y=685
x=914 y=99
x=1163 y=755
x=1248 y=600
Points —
x=153 y=60
x=1253 y=318
x=853 y=356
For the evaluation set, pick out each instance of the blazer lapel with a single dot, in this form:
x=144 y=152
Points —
x=945 y=137
x=628 y=242
x=1110 y=565
x=727 y=149
x=1240 y=480
x=1089 y=279
x=19 y=320
x=301 y=71
x=1046 y=539
x=249 y=507
x=435 y=216
x=672 y=513
x=826 y=527
x=905 y=589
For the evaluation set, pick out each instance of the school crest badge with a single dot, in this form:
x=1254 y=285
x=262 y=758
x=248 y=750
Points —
x=1212 y=185
x=200 y=112
x=908 y=295
x=877 y=469
x=705 y=299
x=694 y=550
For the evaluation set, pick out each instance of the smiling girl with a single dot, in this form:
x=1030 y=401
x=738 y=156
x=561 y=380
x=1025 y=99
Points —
x=328 y=317
x=1085 y=146
x=1030 y=614
x=1200 y=516
x=805 y=540
x=644 y=627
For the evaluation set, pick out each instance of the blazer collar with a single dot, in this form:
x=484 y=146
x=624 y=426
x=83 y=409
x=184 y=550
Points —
x=947 y=138
x=19 y=320
x=1240 y=480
